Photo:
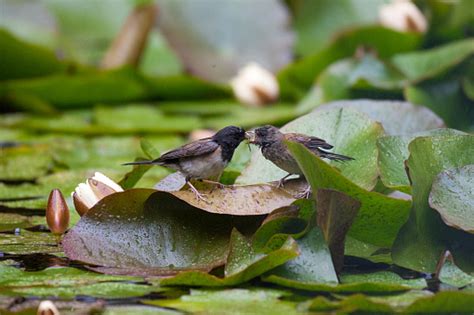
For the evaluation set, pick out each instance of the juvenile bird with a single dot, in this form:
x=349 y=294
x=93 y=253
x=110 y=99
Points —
x=271 y=141
x=203 y=159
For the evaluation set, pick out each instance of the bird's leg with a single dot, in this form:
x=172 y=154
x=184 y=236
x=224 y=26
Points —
x=198 y=195
x=305 y=194
x=281 y=182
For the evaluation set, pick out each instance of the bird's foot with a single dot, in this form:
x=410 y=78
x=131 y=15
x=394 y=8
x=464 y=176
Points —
x=305 y=194
x=199 y=196
x=282 y=181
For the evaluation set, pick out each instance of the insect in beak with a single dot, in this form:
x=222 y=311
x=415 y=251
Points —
x=250 y=135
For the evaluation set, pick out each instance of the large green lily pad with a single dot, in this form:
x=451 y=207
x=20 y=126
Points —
x=349 y=131
x=452 y=195
x=142 y=231
x=424 y=237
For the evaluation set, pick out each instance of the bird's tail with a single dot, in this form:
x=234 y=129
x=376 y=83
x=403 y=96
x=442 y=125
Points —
x=335 y=156
x=141 y=163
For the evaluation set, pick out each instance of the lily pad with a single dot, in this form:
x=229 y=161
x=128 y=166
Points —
x=312 y=266
x=24 y=162
x=293 y=221
x=393 y=151
x=26 y=242
x=422 y=65
x=443 y=302
x=142 y=231
x=349 y=131
x=243 y=264
x=336 y=212
x=232 y=301
x=452 y=195
x=237 y=200
x=23 y=60
x=396 y=117
x=318 y=21
x=138 y=310
x=67 y=283
x=379 y=218
x=445 y=98
x=369 y=283
x=11 y=221
x=424 y=237
x=214 y=46
x=452 y=275
x=297 y=78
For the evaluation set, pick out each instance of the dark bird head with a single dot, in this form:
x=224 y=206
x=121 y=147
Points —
x=266 y=136
x=229 y=139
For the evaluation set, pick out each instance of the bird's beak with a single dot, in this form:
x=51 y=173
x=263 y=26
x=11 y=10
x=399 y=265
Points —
x=250 y=136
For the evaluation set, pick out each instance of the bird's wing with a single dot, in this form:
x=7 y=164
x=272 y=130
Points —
x=196 y=148
x=311 y=143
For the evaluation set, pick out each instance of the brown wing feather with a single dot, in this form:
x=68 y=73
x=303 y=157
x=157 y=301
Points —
x=196 y=148
x=310 y=142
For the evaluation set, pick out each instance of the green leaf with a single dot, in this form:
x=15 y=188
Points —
x=446 y=99
x=66 y=283
x=23 y=60
x=293 y=220
x=468 y=87
x=393 y=151
x=137 y=310
x=24 y=162
x=349 y=131
x=232 y=301
x=12 y=221
x=124 y=85
x=336 y=213
x=444 y=302
x=298 y=77
x=87 y=29
x=312 y=266
x=27 y=242
x=194 y=239
x=397 y=118
x=219 y=44
x=452 y=275
x=369 y=283
x=316 y=22
x=243 y=264
x=452 y=195
x=379 y=218
x=424 y=237
x=422 y=65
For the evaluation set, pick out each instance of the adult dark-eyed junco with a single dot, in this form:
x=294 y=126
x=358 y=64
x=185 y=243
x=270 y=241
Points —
x=203 y=159
x=271 y=141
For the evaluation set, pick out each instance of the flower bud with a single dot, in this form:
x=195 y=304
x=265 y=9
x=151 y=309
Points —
x=57 y=212
x=402 y=16
x=86 y=195
x=47 y=308
x=255 y=85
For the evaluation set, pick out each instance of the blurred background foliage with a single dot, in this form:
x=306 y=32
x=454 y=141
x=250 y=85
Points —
x=60 y=104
